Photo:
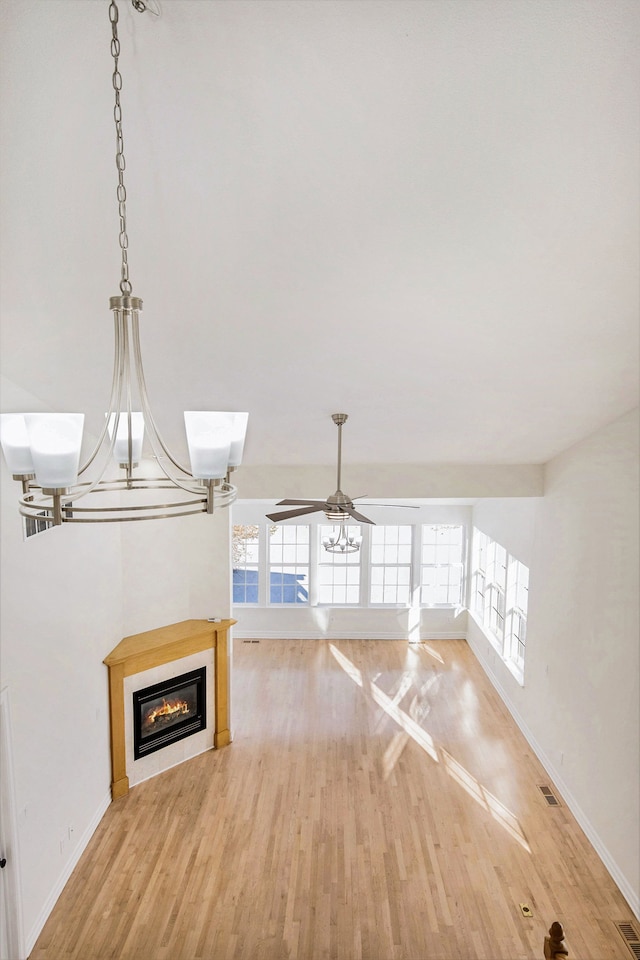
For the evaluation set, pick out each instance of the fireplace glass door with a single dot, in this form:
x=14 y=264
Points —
x=169 y=711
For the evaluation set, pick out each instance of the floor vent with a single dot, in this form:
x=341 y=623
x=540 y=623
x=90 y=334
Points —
x=630 y=937
x=549 y=795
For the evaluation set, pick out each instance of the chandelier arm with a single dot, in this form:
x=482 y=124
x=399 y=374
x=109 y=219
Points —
x=154 y=433
x=113 y=397
x=120 y=367
x=128 y=406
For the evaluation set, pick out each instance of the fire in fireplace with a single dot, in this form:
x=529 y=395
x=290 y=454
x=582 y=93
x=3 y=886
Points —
x=168 y=711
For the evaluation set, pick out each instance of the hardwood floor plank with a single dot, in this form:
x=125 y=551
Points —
x=377 y=803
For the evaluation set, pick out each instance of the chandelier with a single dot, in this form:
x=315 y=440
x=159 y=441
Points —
x=341 y=541
x=42 y=450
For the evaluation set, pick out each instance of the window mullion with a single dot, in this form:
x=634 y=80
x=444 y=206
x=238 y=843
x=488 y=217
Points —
x=365 y=566
x=264 y=575
x=416 y=564
x=314 y=559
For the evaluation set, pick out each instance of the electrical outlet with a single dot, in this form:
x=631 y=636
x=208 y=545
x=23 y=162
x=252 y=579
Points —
x=526 y=910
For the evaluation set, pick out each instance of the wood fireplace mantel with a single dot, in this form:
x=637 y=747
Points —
x=142 y=651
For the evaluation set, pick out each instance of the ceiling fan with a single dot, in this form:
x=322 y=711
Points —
x=338 y=507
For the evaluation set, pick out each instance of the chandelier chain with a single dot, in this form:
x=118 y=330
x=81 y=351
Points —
x=121 y=193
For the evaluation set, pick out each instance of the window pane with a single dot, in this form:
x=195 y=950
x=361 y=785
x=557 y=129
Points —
x=289 y=553
x=428 y=553
x=404 y=553
x=377 y=554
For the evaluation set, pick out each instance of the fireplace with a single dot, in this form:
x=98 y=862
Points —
x=168 y=711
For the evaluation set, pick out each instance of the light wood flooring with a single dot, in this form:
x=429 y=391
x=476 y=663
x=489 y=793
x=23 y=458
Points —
x=377 y=802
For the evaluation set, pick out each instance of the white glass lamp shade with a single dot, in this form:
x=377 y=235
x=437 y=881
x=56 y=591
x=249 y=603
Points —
x=55 y=440
x=238 y=433
x=15 y=443
x=209 y=440
x=121 y=446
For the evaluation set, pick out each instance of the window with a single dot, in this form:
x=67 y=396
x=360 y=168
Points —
x=390 y=560
x=398 y=565
x=33 y=525
x=500 y=593
x=517 y=604
x=495 y=588
x=245 y=553
x=442 y=568
x=289 y=563
x=479 y=572
x=338 y=573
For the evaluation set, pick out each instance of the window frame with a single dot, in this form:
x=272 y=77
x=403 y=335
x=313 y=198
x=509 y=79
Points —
x=505 y=596
x=347 y=561
x=437 y=565
x=274 y=566
x=385 y=565
x=248 y=603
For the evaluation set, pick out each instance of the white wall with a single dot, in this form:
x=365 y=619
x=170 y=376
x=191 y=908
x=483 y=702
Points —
x=383 y=480
x=68 y=596
x=175 y=570
x=511 y=523
x=582 y=660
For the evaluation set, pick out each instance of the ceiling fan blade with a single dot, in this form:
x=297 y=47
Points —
x=287 y=514
x=401 y=506
x=300 y=503
x=357 y=516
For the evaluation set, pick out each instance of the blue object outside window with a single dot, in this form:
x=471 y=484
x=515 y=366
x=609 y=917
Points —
x=283 y=587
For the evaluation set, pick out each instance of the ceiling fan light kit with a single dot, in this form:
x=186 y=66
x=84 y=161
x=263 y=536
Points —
x=42 y=450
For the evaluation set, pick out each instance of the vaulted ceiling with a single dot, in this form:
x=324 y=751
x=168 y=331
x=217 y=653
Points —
x=422 y=213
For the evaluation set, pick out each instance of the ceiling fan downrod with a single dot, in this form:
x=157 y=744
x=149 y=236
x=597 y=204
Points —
x=338 y=504
x=339 y=419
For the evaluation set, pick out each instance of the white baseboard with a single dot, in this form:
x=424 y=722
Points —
x=68 y=869
x=627 y=891
x=352 y=635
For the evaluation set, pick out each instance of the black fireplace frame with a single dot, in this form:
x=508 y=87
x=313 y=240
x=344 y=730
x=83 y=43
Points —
x=195 y=722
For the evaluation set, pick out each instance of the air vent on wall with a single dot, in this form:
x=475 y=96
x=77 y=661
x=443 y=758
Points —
x=549 y=795
x=630 y=937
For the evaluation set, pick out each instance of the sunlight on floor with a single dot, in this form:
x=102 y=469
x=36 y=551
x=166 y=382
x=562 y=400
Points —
x=346 y=664
x=410 y=728
x=431 y=651
x=487 y=800
x=408 y=724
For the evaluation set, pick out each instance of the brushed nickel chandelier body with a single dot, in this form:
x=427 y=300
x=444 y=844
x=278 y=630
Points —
x=42 y=450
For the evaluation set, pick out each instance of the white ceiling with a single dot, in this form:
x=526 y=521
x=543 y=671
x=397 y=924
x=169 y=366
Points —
x=422 y=213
